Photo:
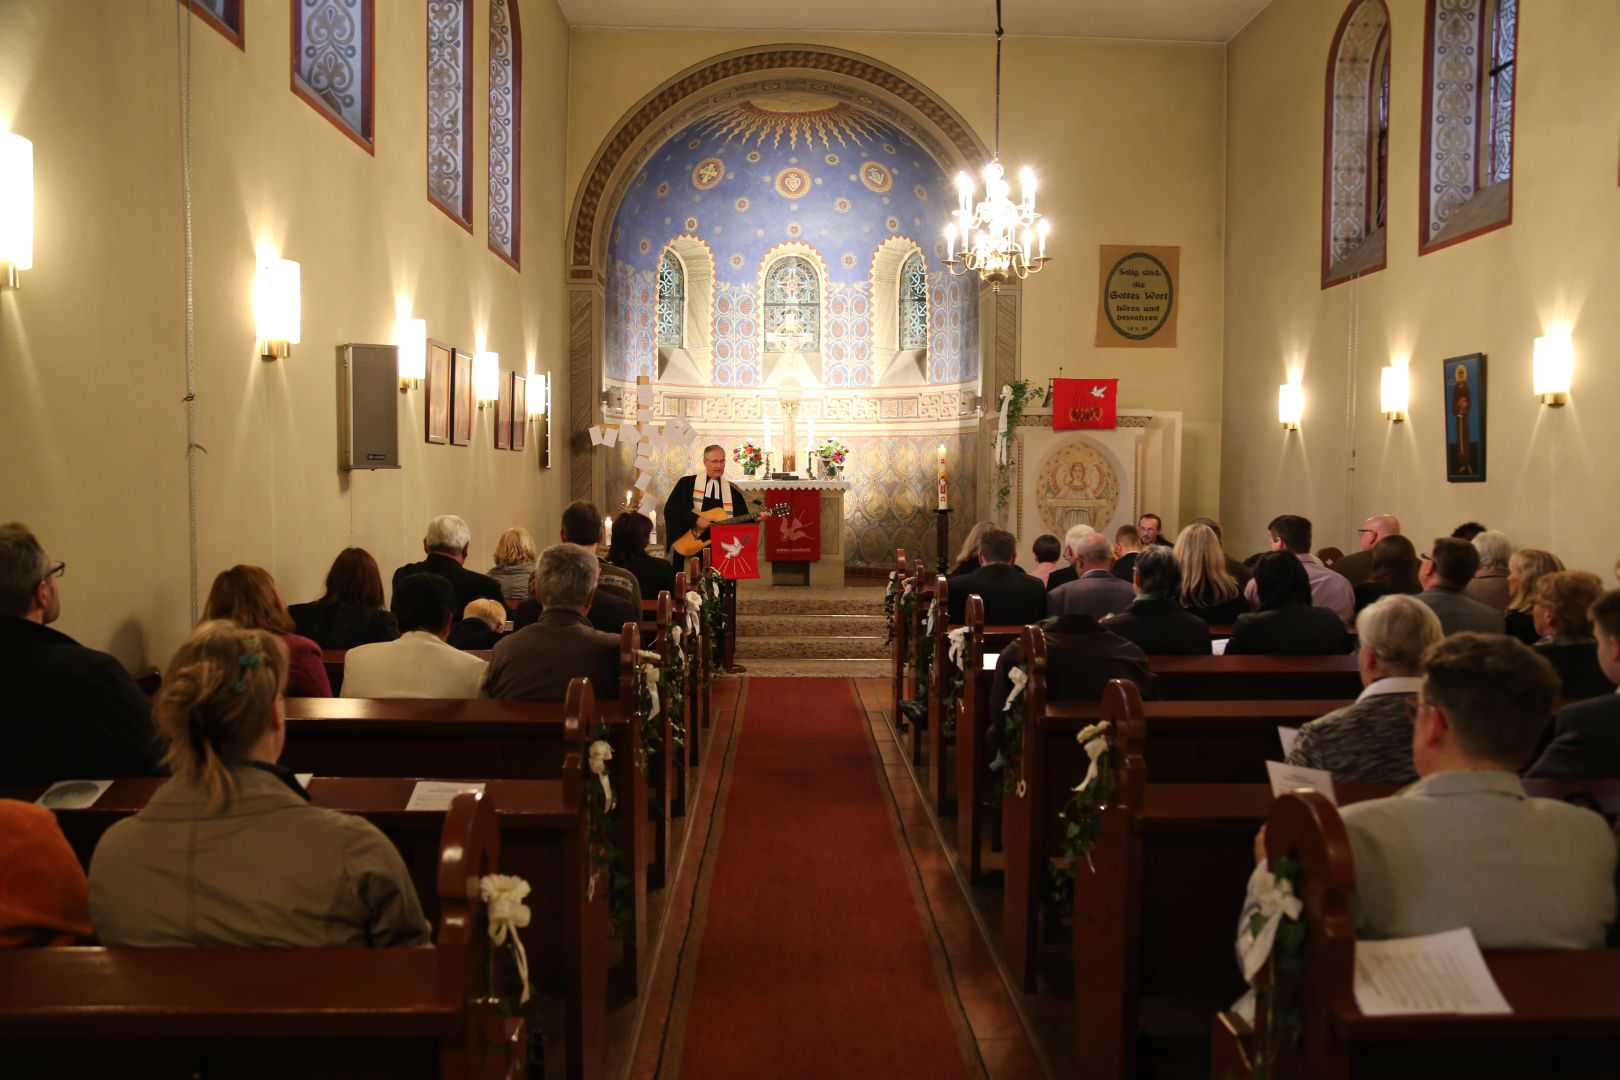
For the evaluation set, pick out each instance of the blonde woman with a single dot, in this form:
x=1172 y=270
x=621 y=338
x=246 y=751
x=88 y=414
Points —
x=1208 y=589
x=514 y=564
x=1562 y=613
x=1526 y=567
x=230 y=853
x=967 y=560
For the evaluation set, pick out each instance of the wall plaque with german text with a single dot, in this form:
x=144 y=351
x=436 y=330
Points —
x=1136 y=303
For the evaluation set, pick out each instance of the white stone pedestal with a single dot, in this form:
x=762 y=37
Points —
x=829 y=570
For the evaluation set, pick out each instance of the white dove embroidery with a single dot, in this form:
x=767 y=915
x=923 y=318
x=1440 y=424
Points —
x=1099 y=391
x=732 y=548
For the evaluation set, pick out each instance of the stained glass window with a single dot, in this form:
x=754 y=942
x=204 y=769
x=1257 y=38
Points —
x=331 y=57
x=1381 y=155
x=671 y=301
x=449 y=107
x=792 y=300
x=505 y=98
x=223 y=15
x=1497 y=161
x=914 y=303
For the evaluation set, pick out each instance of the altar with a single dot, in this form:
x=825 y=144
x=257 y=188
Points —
x=811 y=534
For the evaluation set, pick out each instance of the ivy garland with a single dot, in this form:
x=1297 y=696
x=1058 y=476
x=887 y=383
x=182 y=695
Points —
x=713 y=621
x=925 y=653
x=891 y=596
x=650 y=734
x=1021 y=393
x=1009 y=725
x=673 y=680
x=954 y=683
x=1285 y=1017
x=607 y=855
x=1082 y=814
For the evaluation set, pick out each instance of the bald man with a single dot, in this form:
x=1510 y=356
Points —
x=1358 y=566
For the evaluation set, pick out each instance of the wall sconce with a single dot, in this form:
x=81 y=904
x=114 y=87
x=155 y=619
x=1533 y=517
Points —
x=411 y=337
x=278 y=307
x=540 y=412
x=16 y=208
x=1394 y=391
x=1290 y=405
x=486 y=377
x=1552 y=366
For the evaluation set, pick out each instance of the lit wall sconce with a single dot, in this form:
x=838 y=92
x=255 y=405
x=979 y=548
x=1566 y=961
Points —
x=1552 y=367
x=16 y=208
x=411 y=337
x=278 y=307
x=486 y=377
x=1290 y=405
x=1394 y=391
x=540 y=413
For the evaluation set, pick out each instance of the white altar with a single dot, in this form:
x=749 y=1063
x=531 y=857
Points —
x=829 y=570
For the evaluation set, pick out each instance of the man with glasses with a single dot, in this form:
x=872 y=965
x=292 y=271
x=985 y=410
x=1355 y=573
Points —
x=694 y=495
x=1357 y=566
x=69 y=713
x=1444 y=572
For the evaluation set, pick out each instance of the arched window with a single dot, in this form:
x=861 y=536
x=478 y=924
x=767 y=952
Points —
x=449 y=108
x=1357 y=135
x=1467 y=151
x=223 y=15
x=671 y=301
x=793 y=292
x=332 y=49
x=505 y=127
x=914 y=303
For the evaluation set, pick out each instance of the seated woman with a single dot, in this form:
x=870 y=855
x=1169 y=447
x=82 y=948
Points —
x=1563 y=600
x=1286 y=624
x=1371 y=740
x=628 y=551
x=1525 y=568
x=514 y=564
x=1208 y=589
x=1155 y=620
x=351 y=611
x=230 y=853
x=247 y=596
x=480 y=627
x=1490 y=585
x=43 y=896
x=1394 y=571
x=967 y=559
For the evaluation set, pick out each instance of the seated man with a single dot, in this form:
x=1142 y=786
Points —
x=1096 y=591
x=1155 y=620
x=70 y=712
x=419 y=664
x=1290 y=532
x=1066 y=572
x=1371 y=740
x=1444 y=573
x=1357 y=566
x=582 y=525
x=1586 y=735
x=1010 y=596
x=1127 y=546
x=1082 y=655
x=536 y=663
x=446 y=545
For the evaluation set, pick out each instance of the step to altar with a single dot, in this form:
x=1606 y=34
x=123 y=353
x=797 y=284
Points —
x=830 y=632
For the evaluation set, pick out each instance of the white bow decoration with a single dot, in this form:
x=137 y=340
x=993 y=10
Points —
x=1018 y=677
x=1095 y=744
x=928 y=626
x=649 y=678
x=694 y=611
x=1001 y=426
x=506 y=913
x=675 y=636
x=601 y=754
x=958 y=639
x=1271 y=899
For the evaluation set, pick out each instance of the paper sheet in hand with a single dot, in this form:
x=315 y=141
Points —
x=596 y=435
x=436 y=794
x=1286 y=736
x=73 y=794
x=1218 y=646
x=1286 y=778
x=1437 y=973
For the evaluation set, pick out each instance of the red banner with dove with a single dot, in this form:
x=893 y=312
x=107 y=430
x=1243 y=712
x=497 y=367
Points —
x=796 y=535
x=1084 y=403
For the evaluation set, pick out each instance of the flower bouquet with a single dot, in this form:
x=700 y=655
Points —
x=749 y=456
x=832 y=454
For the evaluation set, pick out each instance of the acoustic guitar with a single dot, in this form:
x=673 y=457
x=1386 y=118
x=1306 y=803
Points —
x=692 y=543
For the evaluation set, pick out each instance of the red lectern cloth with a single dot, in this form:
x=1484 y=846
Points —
x=736 y=550
x=796 y=535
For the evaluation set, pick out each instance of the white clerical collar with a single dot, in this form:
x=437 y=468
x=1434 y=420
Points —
x=1392 y=684
x=711 y=490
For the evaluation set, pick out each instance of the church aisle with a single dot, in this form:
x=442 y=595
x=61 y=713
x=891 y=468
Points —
x=810 y=951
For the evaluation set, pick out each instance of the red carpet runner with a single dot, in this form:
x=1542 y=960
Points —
x=813 y=960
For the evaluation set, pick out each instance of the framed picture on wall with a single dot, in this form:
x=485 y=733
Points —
x=461 y=399
x=436 y=407
x=520 y=411
x=1463 y=392
x=503 y=412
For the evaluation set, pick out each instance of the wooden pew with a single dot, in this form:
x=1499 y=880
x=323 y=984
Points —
x=1247 y=677
x=926 y=590
x=974 y=781
x=697 y=651
x=1566 y=1003
x=938 y=679
x=898 y=645
x=320 y=1013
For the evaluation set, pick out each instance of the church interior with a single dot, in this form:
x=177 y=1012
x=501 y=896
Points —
x=335 y=268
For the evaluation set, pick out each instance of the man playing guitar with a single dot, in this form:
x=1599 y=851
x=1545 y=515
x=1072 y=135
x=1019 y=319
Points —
x=687 y=500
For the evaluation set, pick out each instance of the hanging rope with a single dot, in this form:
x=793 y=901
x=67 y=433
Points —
x=1352 y=356
x=182 y=44
x=999 y=33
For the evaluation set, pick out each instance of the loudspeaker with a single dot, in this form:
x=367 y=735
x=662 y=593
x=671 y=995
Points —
x=368 y=407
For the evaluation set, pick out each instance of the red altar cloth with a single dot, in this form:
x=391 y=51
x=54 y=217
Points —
x=796 y=535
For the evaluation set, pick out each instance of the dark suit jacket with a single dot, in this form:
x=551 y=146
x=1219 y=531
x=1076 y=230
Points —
x=1081 y=656
x=1161 y=628
x=1578 y=667
x=69 y=713
x=1011 y=597
x=1061 y=576
x=1357 y=566
x=678 y=516
x=654 y=575
x=965 y=567
x=1125 y=564
x=472 y=634
x=343 y=626
x=1296 y=630
x=1586 y=741
x=1223 y=614
x=609 y=612
x=1097 y=593
x=469 y=585
x=1522 y=625
x=537 y=662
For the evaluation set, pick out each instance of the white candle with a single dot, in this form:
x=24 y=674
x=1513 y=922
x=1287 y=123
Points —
x=950 y=241
x=607 y=527
x=628 y=496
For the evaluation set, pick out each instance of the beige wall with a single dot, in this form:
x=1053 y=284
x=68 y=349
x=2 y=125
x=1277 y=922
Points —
x=92 y=348
x=1550 y=471
x=1127 y=140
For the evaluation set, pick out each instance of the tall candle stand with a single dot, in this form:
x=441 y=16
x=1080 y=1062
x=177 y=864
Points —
x=942 y=537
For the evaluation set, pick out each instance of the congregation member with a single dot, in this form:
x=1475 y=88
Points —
x=1586 y=735
x=1082 y=655
x=1394 y=571
x=480 y=626
x=1329 y=590
x=582 y=527
x=514 y=565
x=1465 y=846
x=350 y=611
x=536 y=662
x=1066 y=572
x=1047 y=549
x=1357 y=566
x=1467 y=531
x=1096 y=591
x=1240 y=573
x=1127 y=546
x=967 y=557
x=628 y=551
x=230 y=853
x=1370 y=741
x=1287 y=623
x=1525 y=569
x=1011 y=597
x=1444 y=573
x=1490 y=585
x=447 y=542
x=1150 y=528
x=688 y=499
x=1563 y=602
x=247 y=596
x=1208 y=589
x=44 y=898
x=71 y=712
x=421 y=663
x=1155 y=620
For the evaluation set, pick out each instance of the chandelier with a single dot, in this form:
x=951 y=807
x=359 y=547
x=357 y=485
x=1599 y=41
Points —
x=1000 y=239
